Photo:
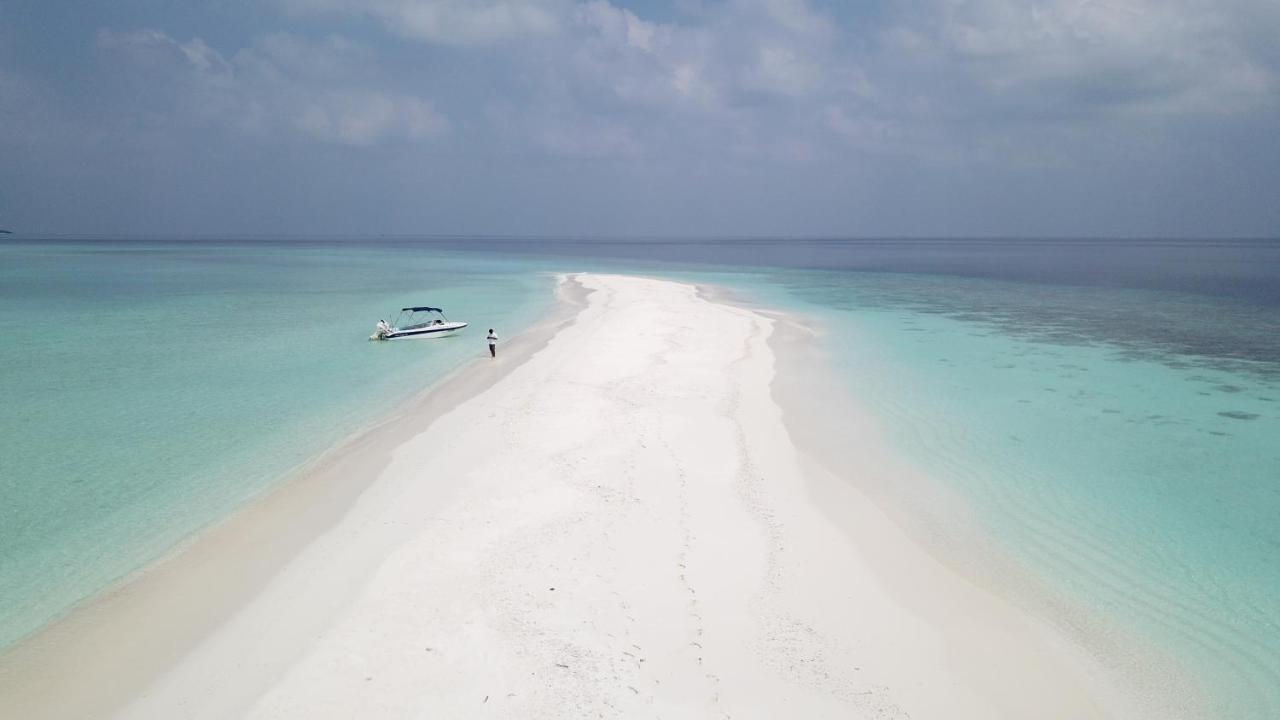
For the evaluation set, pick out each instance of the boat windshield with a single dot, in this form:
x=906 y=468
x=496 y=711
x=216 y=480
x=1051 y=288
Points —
x=412 y=319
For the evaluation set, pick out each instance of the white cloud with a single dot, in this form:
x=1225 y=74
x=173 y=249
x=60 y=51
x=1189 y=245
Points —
x=281 y=86
x=734 y=53
x=716 y=97
x=155 y=43
x=447 y=22
x=1074 y=56
x=602 y=78
x=364 y=118
x=795 y=16
x=618 y=24
x=782 y=70
x=741 y=79
x=639 y=62
x=782 y=48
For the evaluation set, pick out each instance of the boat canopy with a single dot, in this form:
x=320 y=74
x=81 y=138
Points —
x=421 y=309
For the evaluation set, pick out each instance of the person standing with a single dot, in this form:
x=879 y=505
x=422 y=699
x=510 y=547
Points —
x=493 y=343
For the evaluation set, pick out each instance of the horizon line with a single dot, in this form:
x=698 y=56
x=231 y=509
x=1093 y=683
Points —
x=587 y=237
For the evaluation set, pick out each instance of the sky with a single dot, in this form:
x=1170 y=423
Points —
x=1061 y=118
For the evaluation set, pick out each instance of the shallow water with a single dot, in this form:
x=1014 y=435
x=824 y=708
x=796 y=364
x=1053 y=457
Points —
x=1109 y=411
x=1131 y=465
x=149 y=388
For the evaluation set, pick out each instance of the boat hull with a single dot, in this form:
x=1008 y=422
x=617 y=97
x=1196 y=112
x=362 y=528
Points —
x=433 y=331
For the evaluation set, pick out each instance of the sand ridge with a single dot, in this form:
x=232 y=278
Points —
x=626 y=532
x=620 y=526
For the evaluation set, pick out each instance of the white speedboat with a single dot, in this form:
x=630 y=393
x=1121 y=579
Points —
x=417 y=322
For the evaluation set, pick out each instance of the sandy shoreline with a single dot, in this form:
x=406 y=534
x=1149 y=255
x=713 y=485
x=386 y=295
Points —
x=613 y=522
x=1138 y=678
x=104 y=652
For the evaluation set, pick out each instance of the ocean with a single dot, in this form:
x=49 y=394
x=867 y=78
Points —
x=1109 y=411
x=151 y=388
x=1120 y=445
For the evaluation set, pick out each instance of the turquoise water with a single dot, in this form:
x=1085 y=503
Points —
x=150 y=388
x=1117 y=438
x=1109 y=411
x=1133 y=480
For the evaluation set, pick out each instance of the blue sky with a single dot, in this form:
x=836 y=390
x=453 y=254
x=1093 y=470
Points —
x=672 y=117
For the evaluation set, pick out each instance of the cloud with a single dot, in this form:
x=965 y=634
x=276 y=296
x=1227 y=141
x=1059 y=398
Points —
x=738 y=81
x=781 y=70
x=600 y=78
x=365 y=118
x=623 y=58
x=281 y=86
x=706 y=98
x=615 y=84
x=735 y=54
x=795 y=16
x=592 y=79
x=619 y=25
x=1051 y=57
x=167 y=53
x=446 y=22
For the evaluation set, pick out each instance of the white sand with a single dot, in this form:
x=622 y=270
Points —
x=622 y=527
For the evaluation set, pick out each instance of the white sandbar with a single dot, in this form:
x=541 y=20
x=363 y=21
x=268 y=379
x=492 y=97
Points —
x=621 y=526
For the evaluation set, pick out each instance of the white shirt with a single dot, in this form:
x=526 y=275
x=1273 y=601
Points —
x=493 y=339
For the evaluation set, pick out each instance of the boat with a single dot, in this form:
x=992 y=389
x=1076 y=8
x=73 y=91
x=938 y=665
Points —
x=417 y=322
